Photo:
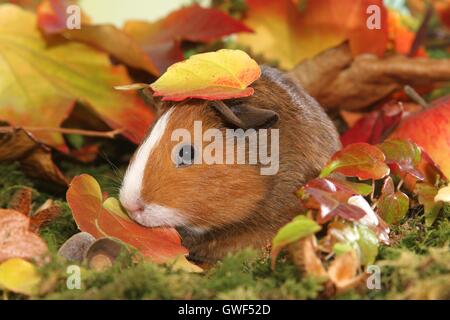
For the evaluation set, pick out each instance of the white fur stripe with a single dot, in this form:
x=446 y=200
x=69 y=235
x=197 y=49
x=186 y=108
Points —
x=130 y=191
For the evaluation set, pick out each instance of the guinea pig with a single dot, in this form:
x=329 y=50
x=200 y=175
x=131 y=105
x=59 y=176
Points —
x=223 y=207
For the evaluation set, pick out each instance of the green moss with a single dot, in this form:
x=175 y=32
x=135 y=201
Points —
x=239 y=276
x=11 y=179
x=60 y=229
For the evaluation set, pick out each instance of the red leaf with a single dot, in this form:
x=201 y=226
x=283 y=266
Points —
x=332 y=205
x=402 y=156
x=360 y=160
x=374 y=127
x=162 y=39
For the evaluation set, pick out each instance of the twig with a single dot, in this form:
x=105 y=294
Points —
x=411 y=93
x=421 y=33
x=89 y=133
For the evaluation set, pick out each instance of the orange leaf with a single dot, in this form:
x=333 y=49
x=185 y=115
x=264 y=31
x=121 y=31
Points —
x=343 y=271
x=288 y=34
x=15 y=239
x=85 y=199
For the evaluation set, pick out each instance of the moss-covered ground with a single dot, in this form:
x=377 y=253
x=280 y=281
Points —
x=415 y=266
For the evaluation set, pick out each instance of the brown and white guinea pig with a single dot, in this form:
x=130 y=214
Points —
x=219 y=208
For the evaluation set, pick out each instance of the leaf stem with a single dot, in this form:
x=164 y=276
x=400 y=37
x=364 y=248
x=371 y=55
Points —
x=101 y=134
x=413 y=95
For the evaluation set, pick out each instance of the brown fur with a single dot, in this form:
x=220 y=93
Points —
x=237 y=205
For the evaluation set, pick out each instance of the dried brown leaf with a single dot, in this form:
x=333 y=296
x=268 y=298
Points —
x=339 y=81
x=21 y=201
x=304 y=255
x=16 y=241
x=35 y=157
x=343 y=272
x=44 y=216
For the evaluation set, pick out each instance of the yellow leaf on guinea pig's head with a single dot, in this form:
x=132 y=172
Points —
x=219 y=75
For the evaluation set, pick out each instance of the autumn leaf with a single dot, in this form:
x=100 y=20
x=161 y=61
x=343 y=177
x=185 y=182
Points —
x=16 y=241
x=219 y=75
x=358 y=160
x=392 y=205
x=43 y=215
x=430 y=130
x=343 y=272
x=443 y=195
x=38 y=89
x=52 y=19
x=162 y=39
x=34 y=157
x=403 y=157
x=427 y=195
x=375 y=126
x=340 y=185
x=20 y=276
x=21 y=201
x=337 y=80
x=305 y=257
x=284 y=33
x=332 y=204
x=108 y=220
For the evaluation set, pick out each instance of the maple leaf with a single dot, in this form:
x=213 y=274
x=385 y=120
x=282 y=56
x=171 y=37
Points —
x=287 y=34
x=161 y=39
x=52 y=19
x=41 y=83
x=219 y=75
x=107 y=219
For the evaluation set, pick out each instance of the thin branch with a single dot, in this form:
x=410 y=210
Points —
x=413 y=95
x=421 y=34
x=89 y=133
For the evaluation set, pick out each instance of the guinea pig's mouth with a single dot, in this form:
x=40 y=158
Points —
x=155 y=215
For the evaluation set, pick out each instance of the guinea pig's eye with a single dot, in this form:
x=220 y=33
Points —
x=185 y=155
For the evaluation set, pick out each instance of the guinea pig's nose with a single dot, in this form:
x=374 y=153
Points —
x=135 y=207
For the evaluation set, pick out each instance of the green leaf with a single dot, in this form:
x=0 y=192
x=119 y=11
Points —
x=360 y=160
x=393 y=207
x=427 y=194
x=341 y=248
x=368 y=245
x=300 y=227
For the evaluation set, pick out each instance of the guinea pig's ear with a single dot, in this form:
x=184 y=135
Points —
x=245 y=117
x=154 y=102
